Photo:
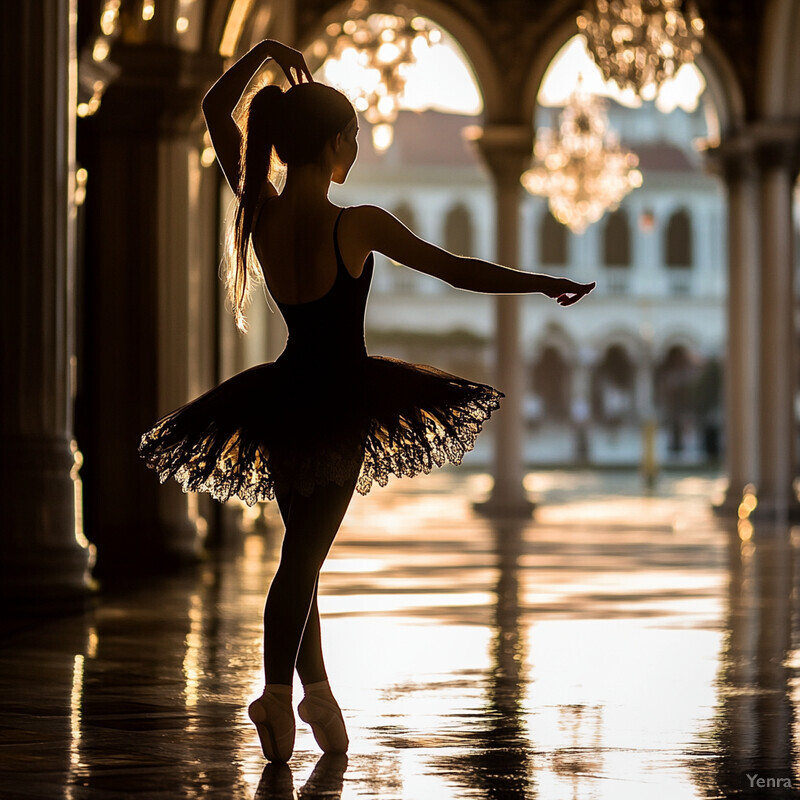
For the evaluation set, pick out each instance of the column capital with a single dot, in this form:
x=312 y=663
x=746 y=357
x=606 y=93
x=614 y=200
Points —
x=761 y=145
x=733 y=159
x=166 y=81
x=506 y=149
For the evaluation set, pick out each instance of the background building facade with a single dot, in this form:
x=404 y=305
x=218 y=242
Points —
x=650 y=342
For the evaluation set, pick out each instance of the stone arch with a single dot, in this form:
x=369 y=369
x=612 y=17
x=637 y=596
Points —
x=681 y=339
x=723 y=85
x=629 y=339
x=554 y=335
x=613 y=385
x=473 y=45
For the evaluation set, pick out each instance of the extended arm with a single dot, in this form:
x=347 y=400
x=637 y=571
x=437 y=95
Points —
x=387 y=235
x=223 y=97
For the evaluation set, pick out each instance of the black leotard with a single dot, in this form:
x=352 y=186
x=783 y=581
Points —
x=324 y=410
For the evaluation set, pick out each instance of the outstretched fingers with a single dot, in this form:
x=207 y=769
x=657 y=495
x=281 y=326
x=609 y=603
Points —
x=570 y=298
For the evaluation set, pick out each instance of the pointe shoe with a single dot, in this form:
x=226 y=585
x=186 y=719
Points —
x=274 y=720
x=322 y=713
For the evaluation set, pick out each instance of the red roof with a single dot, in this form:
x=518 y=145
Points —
x=435 y=138
x=428 y=137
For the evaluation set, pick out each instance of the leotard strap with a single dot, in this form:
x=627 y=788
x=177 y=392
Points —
x=339 y=260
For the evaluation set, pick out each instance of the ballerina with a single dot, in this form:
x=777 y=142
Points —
x=325 y=419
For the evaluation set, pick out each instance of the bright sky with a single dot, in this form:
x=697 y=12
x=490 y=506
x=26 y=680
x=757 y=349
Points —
x=573 y=60
x=443 y=81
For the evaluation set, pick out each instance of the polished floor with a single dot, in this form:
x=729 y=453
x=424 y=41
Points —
x=620 y=645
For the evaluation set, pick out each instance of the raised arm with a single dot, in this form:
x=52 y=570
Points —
x=223 y=97
x=379 y=230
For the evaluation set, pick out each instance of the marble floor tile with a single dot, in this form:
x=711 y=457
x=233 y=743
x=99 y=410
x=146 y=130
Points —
x=618 y=645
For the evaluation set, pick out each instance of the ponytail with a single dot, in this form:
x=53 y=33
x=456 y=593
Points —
x=296 y=125
x=255 y=158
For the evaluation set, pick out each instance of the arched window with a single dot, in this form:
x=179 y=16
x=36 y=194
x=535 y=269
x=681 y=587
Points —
x=679 y=240
x=552 y=241
x=676 y=392
x=551 y=383
x=617 y=240
x=458 y=231
x=613 y=386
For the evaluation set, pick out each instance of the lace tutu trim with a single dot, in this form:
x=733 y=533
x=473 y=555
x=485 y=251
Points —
x=247 y=455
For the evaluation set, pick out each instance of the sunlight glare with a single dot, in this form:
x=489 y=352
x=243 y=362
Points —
x=682 y=91
x=441 y=79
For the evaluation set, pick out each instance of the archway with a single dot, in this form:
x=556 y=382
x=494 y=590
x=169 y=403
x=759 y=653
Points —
x=613 y=395
x=667 y=238
x=676 y=378
x=551 y=381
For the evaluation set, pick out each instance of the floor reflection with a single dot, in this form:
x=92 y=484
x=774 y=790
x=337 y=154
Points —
x=617 y=646
x=497 y=757
x=326 y=781
x=754 y=726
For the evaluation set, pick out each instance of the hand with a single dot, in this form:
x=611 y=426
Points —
x=566 y=292
x=288 y=59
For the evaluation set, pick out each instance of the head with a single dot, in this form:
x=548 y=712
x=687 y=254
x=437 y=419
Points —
x=309 y=124
x=315 y=124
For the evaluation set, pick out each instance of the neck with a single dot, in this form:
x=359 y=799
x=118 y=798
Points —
x=309 y=181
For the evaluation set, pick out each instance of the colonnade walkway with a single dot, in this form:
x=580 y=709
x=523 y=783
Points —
x=620 y=645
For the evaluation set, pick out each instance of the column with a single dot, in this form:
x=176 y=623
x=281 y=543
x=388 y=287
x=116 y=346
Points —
x=150 y=283
x=741 y=363
x=776 y=497
x=506 y=150
x=43 y=557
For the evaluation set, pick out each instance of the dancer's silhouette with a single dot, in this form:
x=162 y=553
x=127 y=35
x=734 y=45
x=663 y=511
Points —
x=325 y=418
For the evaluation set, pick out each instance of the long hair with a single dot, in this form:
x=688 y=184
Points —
x=297 y=124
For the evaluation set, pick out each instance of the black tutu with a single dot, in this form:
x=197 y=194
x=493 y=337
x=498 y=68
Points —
x=385 y=417
x=324 y=412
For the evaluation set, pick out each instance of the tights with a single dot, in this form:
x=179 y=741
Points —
x=291 y=616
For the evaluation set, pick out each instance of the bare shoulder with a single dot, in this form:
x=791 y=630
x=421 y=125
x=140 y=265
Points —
x=368 y=215
x=371 y=225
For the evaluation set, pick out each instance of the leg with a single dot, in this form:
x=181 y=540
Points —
x=310 y=662
x=311 y=525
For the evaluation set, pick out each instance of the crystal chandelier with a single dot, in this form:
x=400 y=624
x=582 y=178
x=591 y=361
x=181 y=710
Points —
x=641 y=43
x=581 y=167
x=373 y=54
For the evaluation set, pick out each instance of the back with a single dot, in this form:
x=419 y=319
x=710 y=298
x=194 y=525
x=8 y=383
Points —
x=295 y=248
x=327 y=327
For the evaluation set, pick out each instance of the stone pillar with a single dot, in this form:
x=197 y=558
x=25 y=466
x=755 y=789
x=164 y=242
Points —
x=741 y=362
x=776 y=498
x=150 y=284
x=43 y=555
x=506 y=150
